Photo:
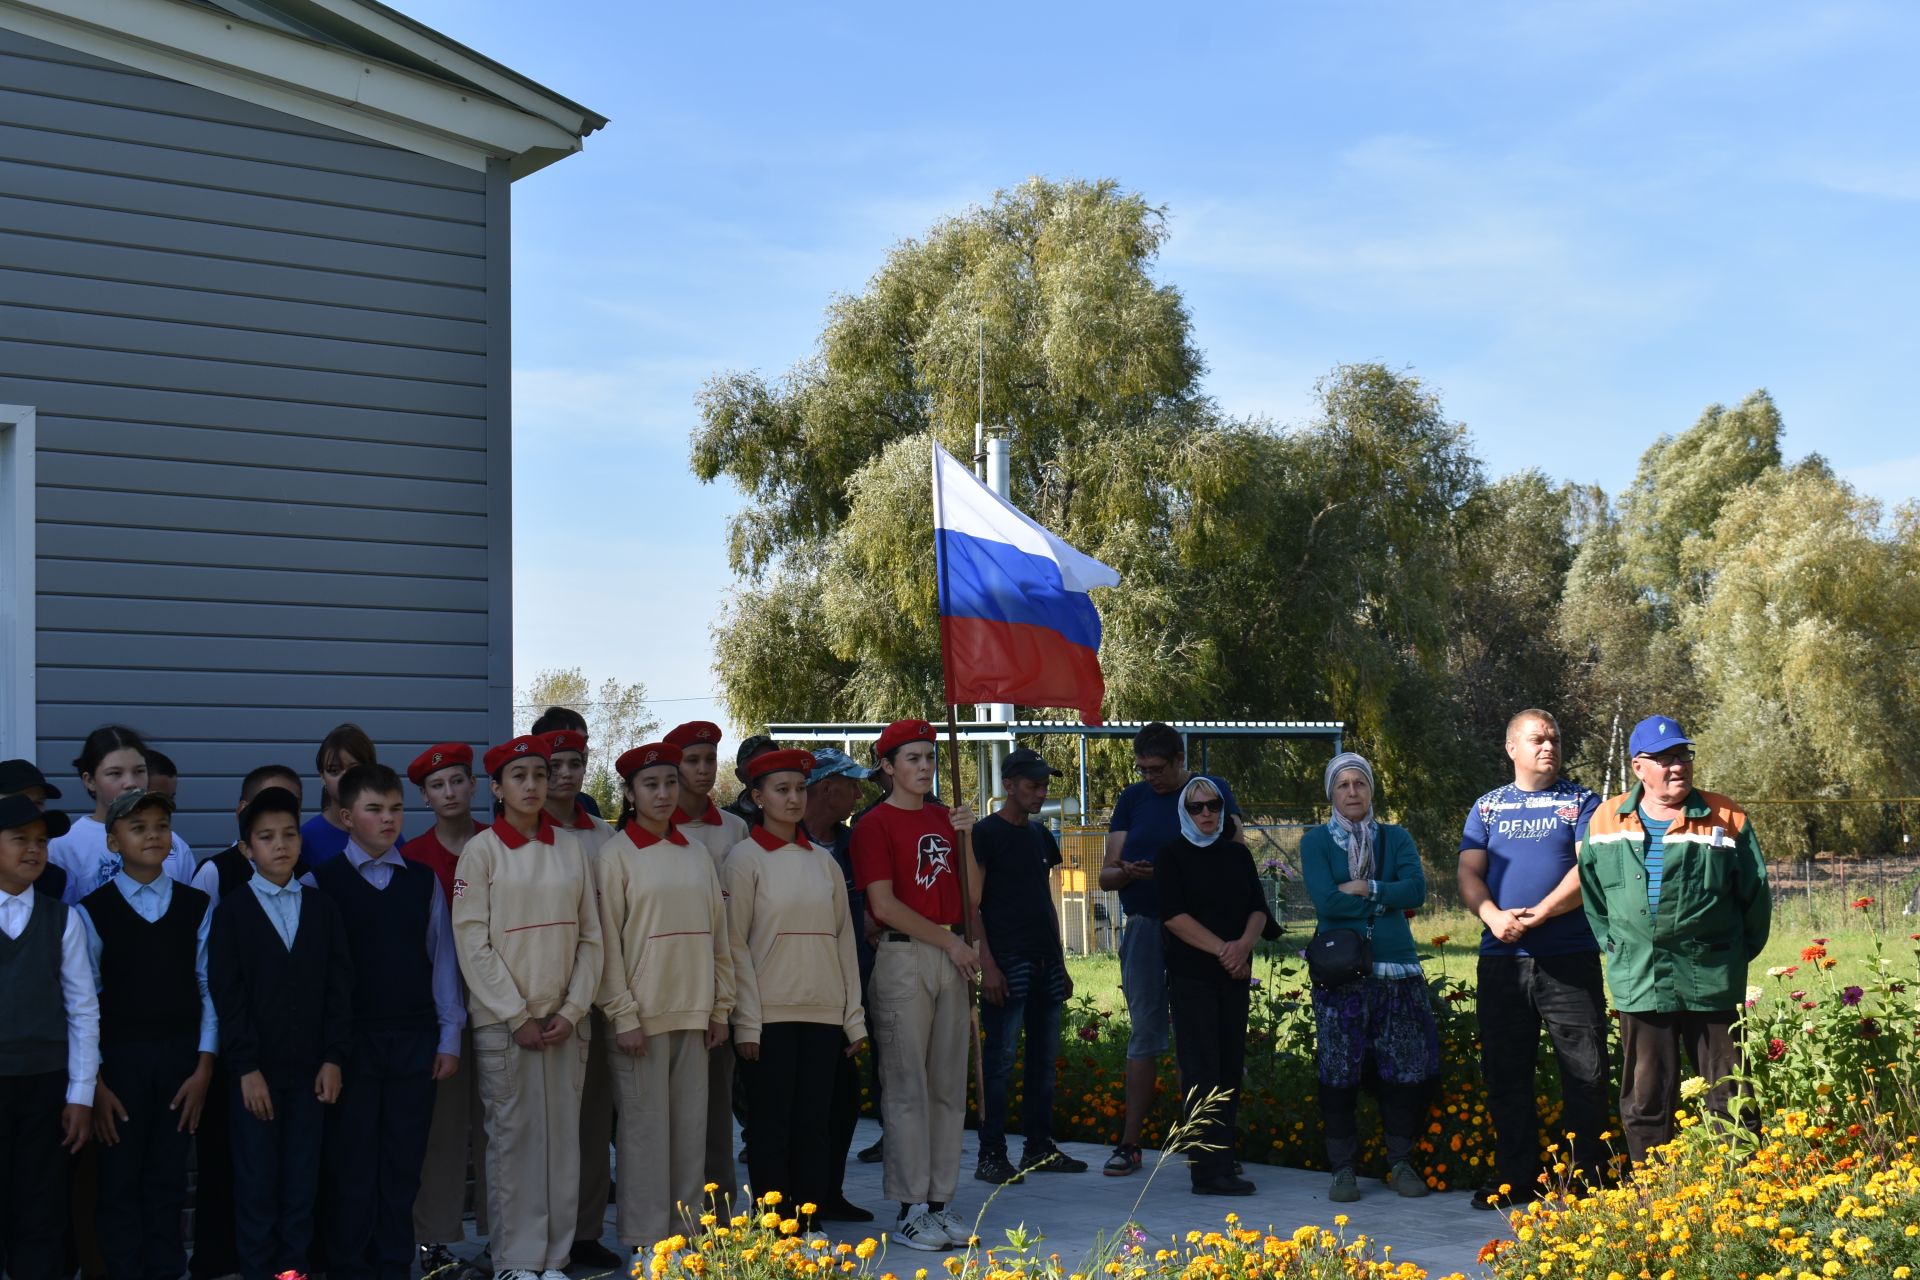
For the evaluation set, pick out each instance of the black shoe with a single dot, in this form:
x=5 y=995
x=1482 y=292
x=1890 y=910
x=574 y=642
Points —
x=1224 y=1184
x=1489 y=1196
x=872 y=1154
x=1050 y=1159
x=438 y=1259
x=994 y=1167
x=591 y=1253
x=840 y=1209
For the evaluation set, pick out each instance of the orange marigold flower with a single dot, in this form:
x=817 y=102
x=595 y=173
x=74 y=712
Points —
x=1812 y=953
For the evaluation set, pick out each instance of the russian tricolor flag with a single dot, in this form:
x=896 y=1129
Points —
x=1015 y=619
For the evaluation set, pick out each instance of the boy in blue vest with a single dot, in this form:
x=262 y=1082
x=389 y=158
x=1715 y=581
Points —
x=147 y=937
x=282 y=985
x=407 y=1018
x=49 y=1045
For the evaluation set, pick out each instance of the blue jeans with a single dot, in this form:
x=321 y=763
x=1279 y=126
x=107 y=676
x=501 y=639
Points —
x=1036 y=990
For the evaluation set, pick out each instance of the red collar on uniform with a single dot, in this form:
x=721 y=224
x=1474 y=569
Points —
x=580 y=820
x=511 y=837
x=770 y=842
x=642 y=837
x=711 y=817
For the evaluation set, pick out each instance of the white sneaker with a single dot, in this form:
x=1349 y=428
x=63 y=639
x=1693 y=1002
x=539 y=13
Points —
x=957 y=1231
x=553 y=1273
x=515 y=1273
x=923 y=1232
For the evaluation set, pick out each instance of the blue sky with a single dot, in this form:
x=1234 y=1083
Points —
x=1580 y=223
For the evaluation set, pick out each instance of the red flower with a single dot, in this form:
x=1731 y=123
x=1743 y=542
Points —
x=1776 y=1050
x=1089 y=1034
x=1813 y=953
x=1861 y=904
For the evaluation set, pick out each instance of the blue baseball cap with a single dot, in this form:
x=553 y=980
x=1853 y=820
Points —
x=832 y=762
x=1656 y=734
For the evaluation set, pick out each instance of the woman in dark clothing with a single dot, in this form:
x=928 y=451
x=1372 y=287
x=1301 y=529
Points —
x=1214 y=912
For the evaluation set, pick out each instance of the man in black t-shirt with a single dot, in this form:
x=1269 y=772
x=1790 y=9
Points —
x=1023 y=970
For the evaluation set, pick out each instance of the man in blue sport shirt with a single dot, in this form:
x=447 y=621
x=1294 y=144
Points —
x=1539 y=963
x=1145 y=819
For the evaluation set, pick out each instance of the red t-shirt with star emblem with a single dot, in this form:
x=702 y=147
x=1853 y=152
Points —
x=916 y=850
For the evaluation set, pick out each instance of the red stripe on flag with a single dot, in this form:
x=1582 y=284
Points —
x=1017 y=662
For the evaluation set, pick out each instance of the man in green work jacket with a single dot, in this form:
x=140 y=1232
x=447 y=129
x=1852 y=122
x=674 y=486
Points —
x=1673 y=885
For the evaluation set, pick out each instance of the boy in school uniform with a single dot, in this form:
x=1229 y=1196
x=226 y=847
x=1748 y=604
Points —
x=282 y=984
x=49 y=1045
x=407 y=1019
x=215 y=1231
x=23 y=778
x=716 y=830
x=444 y=775
x=147 y=939
x=566 y=773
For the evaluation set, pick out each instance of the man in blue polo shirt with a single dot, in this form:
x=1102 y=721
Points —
x=1539 y=962
x=1146 y=818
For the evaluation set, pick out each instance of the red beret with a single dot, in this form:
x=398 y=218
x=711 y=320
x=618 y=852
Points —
x=790 y=761
x=507 y=752
x=693 y=733
x=434 y=759
x=564 y=740
x=646 y=757
x=900 y=733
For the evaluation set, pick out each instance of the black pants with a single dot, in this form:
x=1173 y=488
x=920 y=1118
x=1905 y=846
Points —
x=1650 y=1045
x=214 y=1250
x=844 y=1114
x=143 y=1177
x=277 y=1174
x=33 y=1176
x=1519 y=994
x=1210 y=1044
x=376 y=1141
x=785 y=1088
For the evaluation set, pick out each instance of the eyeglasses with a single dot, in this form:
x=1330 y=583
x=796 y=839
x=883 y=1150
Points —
x=1668 y=759
x=1198 y=807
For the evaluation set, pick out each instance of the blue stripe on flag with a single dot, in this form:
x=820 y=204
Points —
x=980 y=578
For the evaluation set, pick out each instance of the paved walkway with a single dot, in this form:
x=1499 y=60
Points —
x=1442 y=1232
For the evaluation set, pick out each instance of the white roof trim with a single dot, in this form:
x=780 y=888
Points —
x=364 y=96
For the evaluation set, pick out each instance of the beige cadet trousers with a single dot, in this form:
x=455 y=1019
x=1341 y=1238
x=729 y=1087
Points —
x=596 y=1134
x=918 y=1004
x=720 y=1167
x=442 y=1202
x=661 y=1097
x=531 y=1102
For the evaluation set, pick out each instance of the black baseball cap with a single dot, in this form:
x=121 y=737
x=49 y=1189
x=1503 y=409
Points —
x=1028 y=763
x=18 y=811
x=18 y=775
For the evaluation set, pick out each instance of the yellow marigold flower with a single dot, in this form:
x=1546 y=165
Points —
x=865 y=1248
x=711 y=1187
x=1339 y=1219
x=770 y=1199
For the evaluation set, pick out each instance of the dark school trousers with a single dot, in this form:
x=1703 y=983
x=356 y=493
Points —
x=1035 y=994
x=143 y=1177
x=1210 y=1045
x=376 y=1142
x=33 y=1176
x=844 y=1115
x=1517 y=996
x=791 y=1129
x=1650 y=1045
x=215 y=1252
x=276 y=1166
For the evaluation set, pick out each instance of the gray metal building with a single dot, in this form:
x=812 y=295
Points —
x=255 y=463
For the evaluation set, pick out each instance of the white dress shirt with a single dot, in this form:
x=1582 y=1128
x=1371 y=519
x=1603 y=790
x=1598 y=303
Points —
x=77 y=989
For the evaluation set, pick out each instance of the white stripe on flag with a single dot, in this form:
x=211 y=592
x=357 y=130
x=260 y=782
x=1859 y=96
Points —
x=962 y=504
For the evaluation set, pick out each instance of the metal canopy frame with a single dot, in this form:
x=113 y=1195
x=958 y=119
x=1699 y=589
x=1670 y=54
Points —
x=983 y=733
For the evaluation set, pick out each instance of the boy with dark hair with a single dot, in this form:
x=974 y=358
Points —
x=567 y=718
x=163 y=775
x=49 y=1045
x=23 y=778
x=282 y=984
x=147 y=938
x=444 y=775
x=407 y=1018
x=215 y=1235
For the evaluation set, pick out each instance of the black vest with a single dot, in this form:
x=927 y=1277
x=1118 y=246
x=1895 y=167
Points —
x=52 y=882
x=387 y=938
x=149 y=982
x=33 y=1005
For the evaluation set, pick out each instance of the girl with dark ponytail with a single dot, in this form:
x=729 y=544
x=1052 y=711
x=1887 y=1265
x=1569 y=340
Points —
x=113 y=759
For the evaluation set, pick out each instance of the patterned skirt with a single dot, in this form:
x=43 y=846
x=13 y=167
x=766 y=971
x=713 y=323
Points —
x=1387 y=1020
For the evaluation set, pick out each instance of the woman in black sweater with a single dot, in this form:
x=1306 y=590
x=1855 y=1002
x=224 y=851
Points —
x=1214 y=911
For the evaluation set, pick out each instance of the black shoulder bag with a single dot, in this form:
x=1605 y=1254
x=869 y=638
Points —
x=1340 y=957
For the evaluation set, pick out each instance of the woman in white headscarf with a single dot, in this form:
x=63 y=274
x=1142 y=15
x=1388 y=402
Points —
x=1365 y=875
x=1214 y=910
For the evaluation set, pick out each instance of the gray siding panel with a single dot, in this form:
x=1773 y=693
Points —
x=268 y=363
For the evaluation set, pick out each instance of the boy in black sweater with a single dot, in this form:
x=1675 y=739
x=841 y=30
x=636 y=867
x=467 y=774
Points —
x=282 y=985
x=49 y=1045
x=407 y=1017
x=147 y=937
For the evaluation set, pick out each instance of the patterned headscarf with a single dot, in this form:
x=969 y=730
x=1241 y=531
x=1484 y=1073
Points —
x=1354 y=837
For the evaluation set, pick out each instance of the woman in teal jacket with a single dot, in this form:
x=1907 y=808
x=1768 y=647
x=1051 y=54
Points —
x=1365 y=874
